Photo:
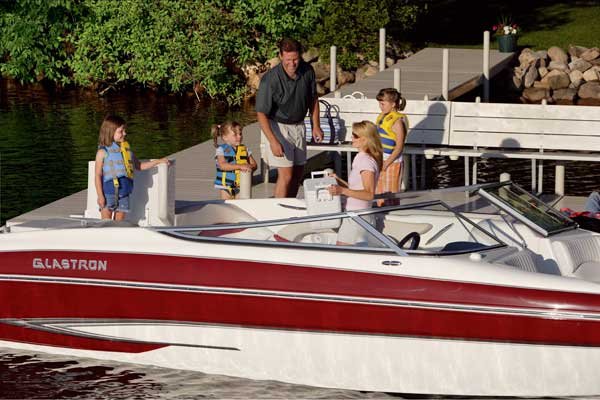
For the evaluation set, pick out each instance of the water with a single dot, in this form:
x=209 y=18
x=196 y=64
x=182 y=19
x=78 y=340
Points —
x=36 y=375
x=47 y=137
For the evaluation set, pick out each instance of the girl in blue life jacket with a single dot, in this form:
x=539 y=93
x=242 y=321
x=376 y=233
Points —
x=232 y=157
x=115 y=163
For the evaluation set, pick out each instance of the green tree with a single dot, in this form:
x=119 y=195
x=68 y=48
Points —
x=35 y=38
x=353 y=26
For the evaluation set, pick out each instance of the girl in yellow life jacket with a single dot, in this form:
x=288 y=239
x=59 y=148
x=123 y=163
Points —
x=392 y=126
x=232 y=157
x=114 y=166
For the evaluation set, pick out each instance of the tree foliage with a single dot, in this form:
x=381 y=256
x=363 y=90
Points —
x=353 y=26
x=173 y=45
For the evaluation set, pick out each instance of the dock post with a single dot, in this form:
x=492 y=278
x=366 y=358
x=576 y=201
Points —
x=381 y=49
x=332 y=68
x=397 y=79
x=405 y=176
x=486 y=66
x=467 y=177
x=445 y=74
x=533 y=175
x=413 y=170
x=540 y=186
x=559 y=179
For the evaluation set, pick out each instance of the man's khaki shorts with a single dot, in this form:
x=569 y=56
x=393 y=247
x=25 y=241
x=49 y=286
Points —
x=292 y=138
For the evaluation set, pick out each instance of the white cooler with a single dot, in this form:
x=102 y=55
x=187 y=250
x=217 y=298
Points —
x=320 y=201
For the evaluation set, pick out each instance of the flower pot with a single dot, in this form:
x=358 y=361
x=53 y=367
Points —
x=507 y=43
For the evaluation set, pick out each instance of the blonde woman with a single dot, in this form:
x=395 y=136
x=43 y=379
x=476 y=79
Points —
x=360 y=189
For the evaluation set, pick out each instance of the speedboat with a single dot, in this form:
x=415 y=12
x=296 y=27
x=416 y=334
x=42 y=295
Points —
x=498 y=297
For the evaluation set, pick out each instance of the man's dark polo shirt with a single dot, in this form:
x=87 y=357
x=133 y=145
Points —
x=284 y=99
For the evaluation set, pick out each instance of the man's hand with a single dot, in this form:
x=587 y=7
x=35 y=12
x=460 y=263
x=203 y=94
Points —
x=317 y=134
x=276 y=148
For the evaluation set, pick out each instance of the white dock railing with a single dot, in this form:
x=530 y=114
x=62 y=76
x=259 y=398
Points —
x=487 y=130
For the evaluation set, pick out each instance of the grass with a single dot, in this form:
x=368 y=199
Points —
x=543 y=23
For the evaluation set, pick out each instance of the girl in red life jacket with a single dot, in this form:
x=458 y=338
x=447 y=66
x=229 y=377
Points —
x=115 y=163
x=232 y=157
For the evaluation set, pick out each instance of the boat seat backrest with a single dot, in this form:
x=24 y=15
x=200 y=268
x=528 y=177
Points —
x=524 y=259
x=571 y=253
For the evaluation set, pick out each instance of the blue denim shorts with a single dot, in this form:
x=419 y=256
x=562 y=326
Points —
x=122 y=204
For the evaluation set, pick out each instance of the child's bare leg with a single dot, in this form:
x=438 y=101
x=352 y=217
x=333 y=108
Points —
x=225 y=195
x=120 y=216
x=105 y=213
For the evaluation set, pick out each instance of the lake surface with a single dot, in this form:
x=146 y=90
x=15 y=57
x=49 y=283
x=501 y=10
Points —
x=47 y=139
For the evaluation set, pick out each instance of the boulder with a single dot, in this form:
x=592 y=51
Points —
x=371 y=70
x=559 y=80
x=535 y=95
x=580 y=65
x=373 y=63
x=527 y=57
x=519 y=72
x=273 y=62
x=344 y=77
x=517 y=83
x=558 y=54
x=530 y=76
x=543 y=56
x=556 y=79
x=542 y=71
x=590 y=54
x=575 y=51
x=589 y=90
x=590 y=75
x=561 y=66
x=541 y=84
x=311 y=55
x=564 y=95
x=576 y=78
x=389 y=62
x=321 y=89
x=321 y=71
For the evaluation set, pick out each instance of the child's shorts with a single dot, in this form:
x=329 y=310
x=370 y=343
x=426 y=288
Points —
x=122 y=204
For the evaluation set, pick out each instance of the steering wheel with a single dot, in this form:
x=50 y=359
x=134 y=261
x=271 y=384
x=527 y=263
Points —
x=415 y=240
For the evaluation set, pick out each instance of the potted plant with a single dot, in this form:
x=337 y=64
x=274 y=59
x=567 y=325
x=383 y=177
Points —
x=506 y=35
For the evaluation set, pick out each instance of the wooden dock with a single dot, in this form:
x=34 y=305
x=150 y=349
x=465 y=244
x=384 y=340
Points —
x=421 y=74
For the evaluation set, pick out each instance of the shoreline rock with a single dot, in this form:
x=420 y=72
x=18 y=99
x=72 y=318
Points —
x=571 y=77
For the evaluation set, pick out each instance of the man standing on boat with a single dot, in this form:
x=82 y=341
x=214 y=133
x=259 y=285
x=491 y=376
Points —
x=285 y=94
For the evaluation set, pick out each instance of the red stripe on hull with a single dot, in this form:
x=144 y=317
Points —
x=50 y=300
x=264 y=276
x=35 y=336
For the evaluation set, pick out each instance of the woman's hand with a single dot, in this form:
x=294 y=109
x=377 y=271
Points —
x=101 y=201
x=335 y=190
x=245 y=168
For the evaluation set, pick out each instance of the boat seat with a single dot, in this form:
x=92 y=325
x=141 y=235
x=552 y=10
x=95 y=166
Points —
x=298 y=232
x=523 y=259
x=398 y=229
x=578 y=256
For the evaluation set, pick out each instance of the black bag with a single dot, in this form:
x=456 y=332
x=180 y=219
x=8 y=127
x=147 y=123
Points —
x=330 y=124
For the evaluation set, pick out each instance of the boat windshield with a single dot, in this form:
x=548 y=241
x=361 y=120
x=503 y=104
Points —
x=527 y=208
x=427 y=228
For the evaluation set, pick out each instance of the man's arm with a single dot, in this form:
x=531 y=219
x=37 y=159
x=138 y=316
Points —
x=263 y=121
x=317 y=133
